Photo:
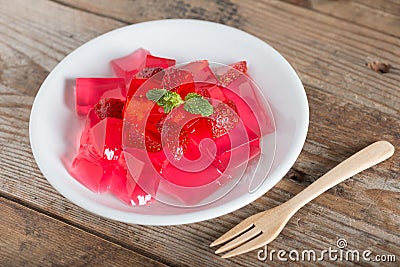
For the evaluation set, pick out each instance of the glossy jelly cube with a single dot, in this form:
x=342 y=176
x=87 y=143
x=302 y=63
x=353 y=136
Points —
x=143 y=114
x=189 y=179
x=126 y=67
x=144 y=85
x=134 y=86
x=198 y=130
x=201 y=71
x=89 y=172
x=178 y=80
x=92 y=119
x=122 y=185
x=103 y=141
x=153 y=61
x=209 y=90
x=246 y=110
x=237 y=154
x=228 y=74
x=89 y=91
x=143 y=172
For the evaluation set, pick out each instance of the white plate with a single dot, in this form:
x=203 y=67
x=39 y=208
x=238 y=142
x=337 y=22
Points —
x=54 y=126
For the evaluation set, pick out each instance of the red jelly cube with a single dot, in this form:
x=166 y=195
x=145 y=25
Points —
x=189 y=179
x=209 y=90
x=143 y=114
x=126 y=67
x=140 y=197
x=237 y=154
x=104 y=140
x=153 y=61
x=178 y=80
x=134 y=86
x=245 y=112
x=201 y=71
x=89 y=172
x=198 y=130
x=228 y=74
x=89 y=91
x=146 y=177
x=144 y=85
x=92 y=119
x=122 y=184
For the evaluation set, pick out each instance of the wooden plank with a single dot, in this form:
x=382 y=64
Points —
x=329 y=55
x=383 y=16
x=29 y=238
x=24 y=181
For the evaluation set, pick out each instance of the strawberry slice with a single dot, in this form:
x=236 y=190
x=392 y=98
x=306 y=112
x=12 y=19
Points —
x=109 y=108
x=240 y=66
x=223 y=119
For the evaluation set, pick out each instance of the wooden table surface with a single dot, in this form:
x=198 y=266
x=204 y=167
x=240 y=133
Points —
x=327 y=42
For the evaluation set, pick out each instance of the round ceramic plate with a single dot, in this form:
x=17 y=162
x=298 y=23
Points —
x=54 y=127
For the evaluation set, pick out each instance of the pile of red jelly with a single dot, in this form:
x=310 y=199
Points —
x=119 y=118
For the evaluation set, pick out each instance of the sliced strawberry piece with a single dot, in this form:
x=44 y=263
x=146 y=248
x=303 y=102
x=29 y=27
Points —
x=240 y=66
x=153 y=61
x=109 y=108
x=223 y=119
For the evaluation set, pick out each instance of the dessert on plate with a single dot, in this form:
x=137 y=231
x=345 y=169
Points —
x=158 y=130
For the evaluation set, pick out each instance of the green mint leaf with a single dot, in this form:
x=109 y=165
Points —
x=155 y=94
x=164 y=98
x=168 y=107
x=198 y=105
x=192 y=95
x=173 y=98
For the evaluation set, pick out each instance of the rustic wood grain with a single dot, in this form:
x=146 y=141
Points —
x=350 y=107
x=28 y=236
x=383 y=16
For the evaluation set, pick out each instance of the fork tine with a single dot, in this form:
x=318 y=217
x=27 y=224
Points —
x=235 y=231
x=252 y=244
x=239 y=240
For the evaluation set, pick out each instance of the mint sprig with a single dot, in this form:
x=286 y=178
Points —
x=194 y=103
x=164 y=98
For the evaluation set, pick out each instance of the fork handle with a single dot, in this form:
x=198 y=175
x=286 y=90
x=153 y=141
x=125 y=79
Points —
x=364 y=159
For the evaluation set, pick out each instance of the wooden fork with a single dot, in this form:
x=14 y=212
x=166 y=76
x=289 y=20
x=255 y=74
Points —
x=261 y=228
